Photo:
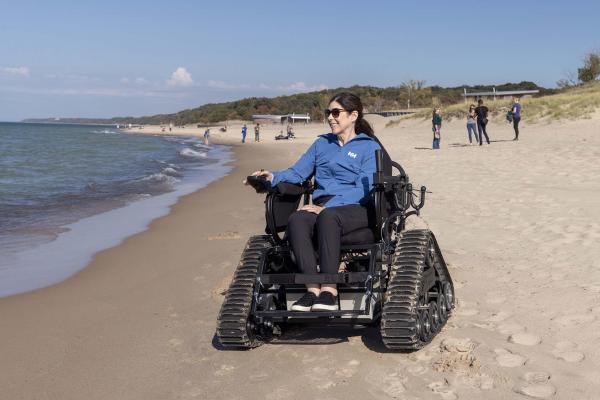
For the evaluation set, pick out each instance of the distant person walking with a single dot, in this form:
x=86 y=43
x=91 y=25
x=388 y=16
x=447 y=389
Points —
x=436 y=122
x=206 y=135
x=516 y=116
x=244 y=132
x=482 y=119
x=257 y=133
x=472 y=124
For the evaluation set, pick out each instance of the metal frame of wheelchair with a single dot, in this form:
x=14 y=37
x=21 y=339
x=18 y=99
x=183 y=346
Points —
x=399 y=281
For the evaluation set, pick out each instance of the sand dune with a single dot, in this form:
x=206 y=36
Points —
x=518 y=223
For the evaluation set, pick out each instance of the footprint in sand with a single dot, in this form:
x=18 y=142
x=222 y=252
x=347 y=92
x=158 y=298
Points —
x=507 y=359
x=536 y=391
x=486 y=382
x=567 y=351
x=393 y=385
x=525 y=339
x=536 y=377
x=417 y=370
x=443 y=389
x=456 y=355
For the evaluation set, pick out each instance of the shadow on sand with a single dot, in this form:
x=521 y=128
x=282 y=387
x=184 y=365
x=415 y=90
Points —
x=321 y=336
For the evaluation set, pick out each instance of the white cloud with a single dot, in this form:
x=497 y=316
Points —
x=181 y=77
x=17 y=71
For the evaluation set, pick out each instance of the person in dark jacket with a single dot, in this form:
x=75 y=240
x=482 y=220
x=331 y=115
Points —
x=482 y=119
x=244 y=132
x=436 y=123
x=342 y=163
x=516 y=116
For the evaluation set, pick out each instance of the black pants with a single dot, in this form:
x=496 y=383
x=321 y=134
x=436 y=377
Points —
x=516 y=126
x=307 y=231
x=481 y=128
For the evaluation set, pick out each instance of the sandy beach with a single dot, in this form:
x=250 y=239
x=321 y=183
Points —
x=518 y=223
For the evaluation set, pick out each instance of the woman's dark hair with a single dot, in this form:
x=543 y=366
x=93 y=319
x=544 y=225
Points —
x=351 y=102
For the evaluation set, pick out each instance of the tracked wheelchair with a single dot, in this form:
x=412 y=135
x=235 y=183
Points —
x=392 y=277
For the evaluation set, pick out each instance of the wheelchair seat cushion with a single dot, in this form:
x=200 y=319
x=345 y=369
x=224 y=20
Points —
x=359 y=236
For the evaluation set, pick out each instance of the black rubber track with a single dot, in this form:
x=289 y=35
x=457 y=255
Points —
x=400 y=319
x=234 y=330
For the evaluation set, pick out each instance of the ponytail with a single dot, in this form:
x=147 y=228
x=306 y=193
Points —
x=362 y=126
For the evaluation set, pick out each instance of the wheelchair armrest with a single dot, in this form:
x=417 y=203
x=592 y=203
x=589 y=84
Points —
x=259 y=183
x=282 y=200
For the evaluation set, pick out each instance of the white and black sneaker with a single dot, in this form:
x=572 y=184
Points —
x=326 y=302
x=305 y=302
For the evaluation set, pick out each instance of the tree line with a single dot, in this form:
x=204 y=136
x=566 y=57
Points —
x=409 y=94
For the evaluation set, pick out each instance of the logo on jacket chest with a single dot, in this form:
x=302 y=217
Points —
x=351 y=154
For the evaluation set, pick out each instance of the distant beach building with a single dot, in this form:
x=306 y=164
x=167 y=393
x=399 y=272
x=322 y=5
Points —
x=393 y=113
x=505 y=94
x=292 y=118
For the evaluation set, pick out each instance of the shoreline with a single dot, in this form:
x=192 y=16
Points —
x=51 y=262
x=516 y=222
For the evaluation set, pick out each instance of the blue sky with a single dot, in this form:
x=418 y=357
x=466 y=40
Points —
x=109 y=58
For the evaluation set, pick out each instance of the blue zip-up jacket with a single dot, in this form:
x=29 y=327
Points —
x=345 y=172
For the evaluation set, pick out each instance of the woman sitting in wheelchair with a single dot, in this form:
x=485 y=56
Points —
x=342 y=163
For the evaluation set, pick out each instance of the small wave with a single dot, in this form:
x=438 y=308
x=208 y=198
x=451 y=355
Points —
x=107 y=132
x=171 y=171
x=187 y=152
x=159 y=177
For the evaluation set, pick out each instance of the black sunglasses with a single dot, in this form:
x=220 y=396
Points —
x=334 y=113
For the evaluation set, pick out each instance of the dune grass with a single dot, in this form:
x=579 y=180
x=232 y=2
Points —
x=575 y=103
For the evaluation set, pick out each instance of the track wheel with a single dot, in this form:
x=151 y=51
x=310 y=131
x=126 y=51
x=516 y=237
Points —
x=410 y=316
x=235 y=326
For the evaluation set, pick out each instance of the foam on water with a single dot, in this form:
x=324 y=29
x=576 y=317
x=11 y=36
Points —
x=187 y=152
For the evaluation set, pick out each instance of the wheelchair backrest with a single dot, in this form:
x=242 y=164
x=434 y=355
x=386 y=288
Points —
x=382 y=203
